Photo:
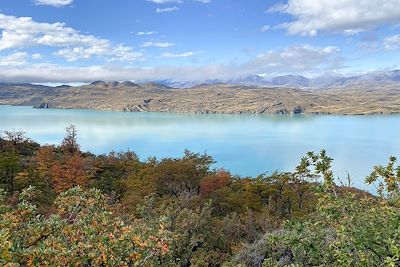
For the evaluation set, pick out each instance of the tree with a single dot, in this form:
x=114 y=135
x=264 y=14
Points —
x=15 y=137
x=182 y=177
x=45 y=158
x=64 y=170
x=16 y=141
x=69 y=172
x=9 y=167
x=113 y=170
x=214 y=182
x=70 y=144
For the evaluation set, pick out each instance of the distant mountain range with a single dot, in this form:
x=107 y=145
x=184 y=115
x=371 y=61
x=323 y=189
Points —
x=298 y=81
x=327 y=81
x=365 y=94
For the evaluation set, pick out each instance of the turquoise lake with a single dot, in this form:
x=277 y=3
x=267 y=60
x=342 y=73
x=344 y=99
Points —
x=247 y=145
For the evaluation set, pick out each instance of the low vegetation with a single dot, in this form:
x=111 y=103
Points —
x=60 y=206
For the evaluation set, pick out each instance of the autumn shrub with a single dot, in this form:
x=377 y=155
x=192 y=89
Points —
x=81 y=232
x=116 y=210
x=344 y=230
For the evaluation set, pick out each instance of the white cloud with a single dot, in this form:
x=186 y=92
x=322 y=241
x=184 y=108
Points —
x=294 y=60
x=173 y=8
x=14 y=59
x=36 y=56
x=342 y=16
x=392 y=42
x=297 y=59
x=265 y=28
x=118 y=53
x=157 y=44
x=22 y=32
x=167 y=9
x=125 y=53
x=177 y=55
x=55 y=3
x=145 y=33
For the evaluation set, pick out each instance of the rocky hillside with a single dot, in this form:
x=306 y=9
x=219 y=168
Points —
x=212 y=98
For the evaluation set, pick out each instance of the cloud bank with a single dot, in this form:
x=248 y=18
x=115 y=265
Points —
x=24 y=32
x=341 y=16
x=298 y=59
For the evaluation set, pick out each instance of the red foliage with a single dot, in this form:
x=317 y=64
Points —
x=214 y=182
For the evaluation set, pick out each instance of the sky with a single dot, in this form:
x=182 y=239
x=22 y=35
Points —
x=67 y=41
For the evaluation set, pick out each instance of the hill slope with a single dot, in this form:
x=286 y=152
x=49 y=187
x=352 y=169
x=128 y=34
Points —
x=373 y=98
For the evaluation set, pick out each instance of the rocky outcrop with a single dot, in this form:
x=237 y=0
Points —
x=282 y=111
x=141 y=107
x=298 y=110
x=136 y=108
x=45 y=104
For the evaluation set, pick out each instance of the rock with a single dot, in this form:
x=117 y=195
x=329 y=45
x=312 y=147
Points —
x=42 y=105
x=137 y=108
x=298 y=110
x=277 y=104
x=281 y=111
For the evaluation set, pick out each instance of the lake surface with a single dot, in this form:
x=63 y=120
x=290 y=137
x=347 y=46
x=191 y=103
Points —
x=247 y=145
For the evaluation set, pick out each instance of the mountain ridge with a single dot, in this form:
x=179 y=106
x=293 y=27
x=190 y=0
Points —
x=290 y=80
x=298 y=81
x=362 y=98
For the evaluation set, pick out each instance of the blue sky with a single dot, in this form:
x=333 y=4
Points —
x=81 y=40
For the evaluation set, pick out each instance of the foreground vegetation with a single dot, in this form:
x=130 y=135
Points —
x=60 y=206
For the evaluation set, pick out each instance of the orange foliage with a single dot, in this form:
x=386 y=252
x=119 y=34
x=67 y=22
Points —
x=45 y=159
x=69 y=172
x=64 y=171
x=214 y=182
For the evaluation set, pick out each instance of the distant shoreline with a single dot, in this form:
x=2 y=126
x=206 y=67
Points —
x=210 y=113
x=208 y=99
